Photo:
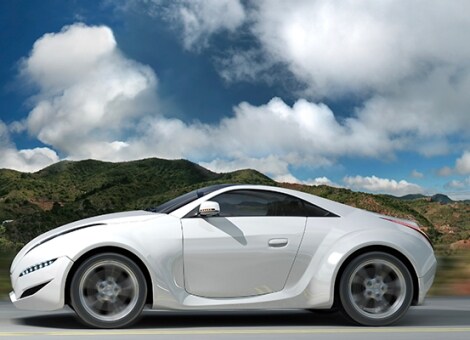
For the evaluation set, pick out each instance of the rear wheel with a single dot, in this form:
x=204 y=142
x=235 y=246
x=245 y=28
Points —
x=108 y=291
x=376 y=289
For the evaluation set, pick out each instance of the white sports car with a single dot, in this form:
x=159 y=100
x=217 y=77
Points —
x=228 y=247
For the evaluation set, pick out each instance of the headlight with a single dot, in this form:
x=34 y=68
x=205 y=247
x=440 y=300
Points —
x=37 y=267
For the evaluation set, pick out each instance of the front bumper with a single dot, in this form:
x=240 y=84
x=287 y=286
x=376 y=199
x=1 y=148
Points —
x=50 y=296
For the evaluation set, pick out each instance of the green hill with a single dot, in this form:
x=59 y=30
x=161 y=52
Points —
x=31 y=203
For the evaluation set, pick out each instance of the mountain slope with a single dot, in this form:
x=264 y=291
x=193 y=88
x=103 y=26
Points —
x=67 y=191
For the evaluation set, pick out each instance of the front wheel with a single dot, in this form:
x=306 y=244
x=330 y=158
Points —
x=108 y=291
x=376 y=289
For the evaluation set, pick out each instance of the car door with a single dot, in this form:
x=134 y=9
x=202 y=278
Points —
x=248 y=249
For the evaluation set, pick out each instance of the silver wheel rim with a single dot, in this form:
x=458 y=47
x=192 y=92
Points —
x=108 y=290
x=377 y=288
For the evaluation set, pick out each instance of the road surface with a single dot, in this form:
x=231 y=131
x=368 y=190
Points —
x=439 y=318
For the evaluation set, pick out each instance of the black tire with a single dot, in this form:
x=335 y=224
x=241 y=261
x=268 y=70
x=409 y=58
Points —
x=108 y=291
x=375 y=289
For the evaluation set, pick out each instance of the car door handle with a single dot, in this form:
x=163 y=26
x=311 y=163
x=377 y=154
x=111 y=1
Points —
x=278 y=242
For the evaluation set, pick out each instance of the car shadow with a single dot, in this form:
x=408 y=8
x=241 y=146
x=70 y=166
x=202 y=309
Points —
x=235 y=319
x=196 y=319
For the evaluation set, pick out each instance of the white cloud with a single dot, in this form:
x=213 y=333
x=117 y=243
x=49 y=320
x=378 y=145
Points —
x=321 y=181
x=337 y=46
x=428 y=109
x=52 y=55
x=304 y=131
x=88 y=91
x=297 y=135
x=272 y=165
x=289 y=178
x=382 y=185
x=410 y=61
x=28 y=160
x=199 y=19
x=462 y=165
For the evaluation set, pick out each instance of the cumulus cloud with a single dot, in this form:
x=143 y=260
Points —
x=382 y=185
x=349 y=46
x=88 y=91
x=427 y=109
x=462 y=165
x=199 y=19
x=322 y=181
x=52 y=55
x=409 y=61
x=28 y=160
x=274 y=134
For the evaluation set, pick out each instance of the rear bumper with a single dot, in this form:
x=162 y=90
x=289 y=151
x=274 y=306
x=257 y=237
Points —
x=425 y=281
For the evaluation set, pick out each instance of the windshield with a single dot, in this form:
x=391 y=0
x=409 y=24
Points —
x=184 y=199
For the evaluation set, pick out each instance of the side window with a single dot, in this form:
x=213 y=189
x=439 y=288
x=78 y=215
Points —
x=258 y=203
x=314 y=211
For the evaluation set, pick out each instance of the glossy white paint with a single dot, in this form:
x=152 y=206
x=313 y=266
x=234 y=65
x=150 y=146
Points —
x=223 y=263
x=239 y=256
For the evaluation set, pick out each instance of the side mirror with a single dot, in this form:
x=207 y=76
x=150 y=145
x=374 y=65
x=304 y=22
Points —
x=209 y=208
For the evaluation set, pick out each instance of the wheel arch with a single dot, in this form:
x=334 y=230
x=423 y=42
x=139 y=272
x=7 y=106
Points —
x=109 y=249
x=381 y=248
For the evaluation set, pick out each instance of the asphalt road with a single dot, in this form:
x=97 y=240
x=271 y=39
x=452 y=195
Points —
x=439 y=318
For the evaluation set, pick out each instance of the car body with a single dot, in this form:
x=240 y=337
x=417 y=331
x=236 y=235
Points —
x=228 y=247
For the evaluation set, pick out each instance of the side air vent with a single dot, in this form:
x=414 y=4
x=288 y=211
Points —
x=33 y=290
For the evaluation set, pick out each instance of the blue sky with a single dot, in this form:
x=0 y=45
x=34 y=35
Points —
x=367 y=95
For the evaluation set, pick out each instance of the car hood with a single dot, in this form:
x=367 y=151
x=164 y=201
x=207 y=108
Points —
x=116 y=218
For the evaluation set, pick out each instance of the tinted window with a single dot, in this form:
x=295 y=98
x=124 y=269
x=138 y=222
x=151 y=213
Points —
x=314 y=211
x=258 y=203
